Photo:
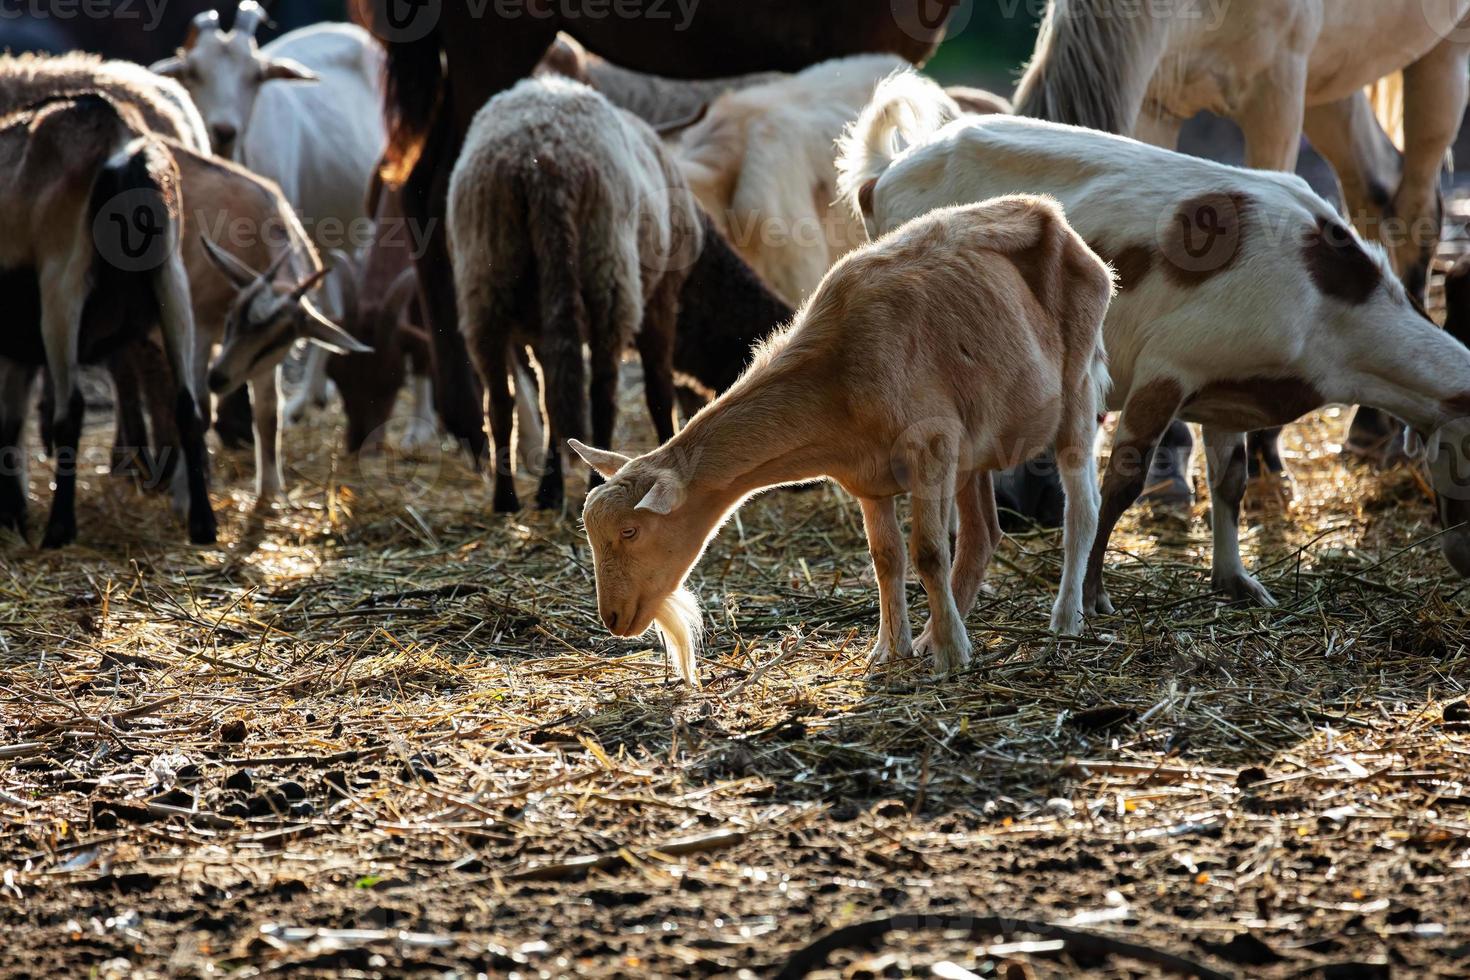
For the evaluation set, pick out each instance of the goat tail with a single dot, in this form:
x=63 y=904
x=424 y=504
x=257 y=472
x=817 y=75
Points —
x=1101 y=375
x=134 y=215
x=905 y=105
x=1093 y=65
x=414 y=87
x=556 y=252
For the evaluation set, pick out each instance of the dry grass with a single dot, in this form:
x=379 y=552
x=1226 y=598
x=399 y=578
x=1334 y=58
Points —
x=449 y=767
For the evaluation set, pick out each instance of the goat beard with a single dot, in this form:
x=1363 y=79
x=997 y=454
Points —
x=681 y=627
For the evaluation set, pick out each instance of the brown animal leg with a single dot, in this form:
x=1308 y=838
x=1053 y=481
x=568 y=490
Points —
x=15 y=395
x=1147 y=413
x=656 y=348
x=131 y=456
x=606 y=361
x=492 y=359
x=456 y=391
x=885 y=543
x=1436 y=89
x=974 y=545
x=61 y=527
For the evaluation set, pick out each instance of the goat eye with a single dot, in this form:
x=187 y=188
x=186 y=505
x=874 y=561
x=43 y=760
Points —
x=629 y=533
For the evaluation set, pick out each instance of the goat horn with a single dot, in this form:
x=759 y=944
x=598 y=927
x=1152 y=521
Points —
x=308 y=284
x=249 y=17
x=206 y=21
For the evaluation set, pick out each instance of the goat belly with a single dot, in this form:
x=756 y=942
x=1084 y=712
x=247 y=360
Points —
x=1252 y=403
x=21 y=339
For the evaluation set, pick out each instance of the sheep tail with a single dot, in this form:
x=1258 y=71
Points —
x=556 y=249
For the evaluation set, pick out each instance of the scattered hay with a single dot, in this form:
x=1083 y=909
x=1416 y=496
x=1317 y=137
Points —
x=382 y=730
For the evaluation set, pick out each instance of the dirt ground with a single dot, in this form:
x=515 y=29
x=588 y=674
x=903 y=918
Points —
x=379 y=732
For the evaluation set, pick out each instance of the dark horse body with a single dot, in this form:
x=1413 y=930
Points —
x=445 y=61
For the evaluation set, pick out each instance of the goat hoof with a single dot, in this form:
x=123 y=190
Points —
x=1244 y=588
x=948 y=657
x=1066 y=622
x=506 y=502
x=885 y=652
x=265 y=503
x=203 y=528
x=59 y=534
x=1098 y=604
x=551 y=495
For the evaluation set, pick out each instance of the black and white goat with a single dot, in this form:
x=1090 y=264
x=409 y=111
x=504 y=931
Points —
x=89 y=232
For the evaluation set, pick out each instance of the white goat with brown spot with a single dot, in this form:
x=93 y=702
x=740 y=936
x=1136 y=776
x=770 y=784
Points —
x=1244 y=301
x=968 y=339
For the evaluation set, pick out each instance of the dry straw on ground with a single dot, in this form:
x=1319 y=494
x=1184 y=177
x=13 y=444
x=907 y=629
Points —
x=381 y=732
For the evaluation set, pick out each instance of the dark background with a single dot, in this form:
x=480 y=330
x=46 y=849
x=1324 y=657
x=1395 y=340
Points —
x=990 y=47
x=988 y=52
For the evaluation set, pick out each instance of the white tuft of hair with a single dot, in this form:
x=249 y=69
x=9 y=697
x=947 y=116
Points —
x=681 y=626
x=906 y=106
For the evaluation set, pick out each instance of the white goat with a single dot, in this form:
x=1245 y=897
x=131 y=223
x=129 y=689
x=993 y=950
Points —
x=1244 y=301
x=321 y=142
x=967 y=339
x=569 y=225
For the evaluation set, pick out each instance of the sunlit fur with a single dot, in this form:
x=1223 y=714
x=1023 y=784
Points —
x=925 y=361
x=1222 y=324
x=681 y=627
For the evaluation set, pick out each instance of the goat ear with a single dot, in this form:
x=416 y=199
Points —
x=168 y=67
x=665 y=497
x=604 y=461
x=240 y=274
x=1419 y=447
x=287 y=70
x=318 y=330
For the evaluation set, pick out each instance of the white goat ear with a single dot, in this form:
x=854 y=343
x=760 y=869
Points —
x=287 y=70
x=604 y=461
x=168 y=67
x=664 y=498
x=318 y=330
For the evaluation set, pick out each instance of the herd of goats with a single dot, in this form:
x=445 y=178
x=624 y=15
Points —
x=832 y=269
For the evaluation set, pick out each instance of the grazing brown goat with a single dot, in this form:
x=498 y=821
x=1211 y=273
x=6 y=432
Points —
x=966 y=339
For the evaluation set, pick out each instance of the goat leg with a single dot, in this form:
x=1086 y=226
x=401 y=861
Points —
x=190 y=424
x=15 y=389
x=61 y=527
